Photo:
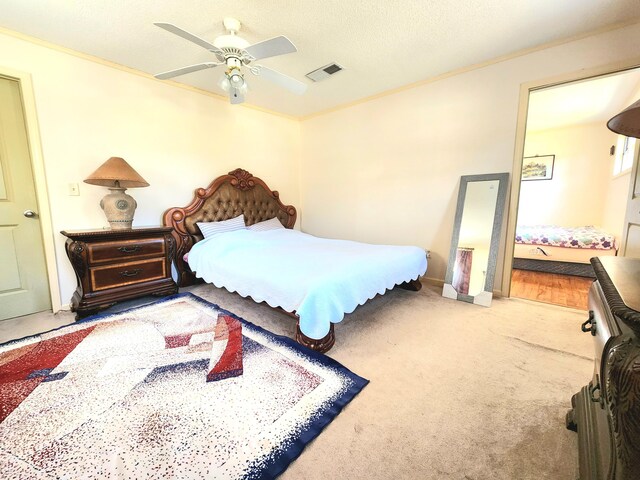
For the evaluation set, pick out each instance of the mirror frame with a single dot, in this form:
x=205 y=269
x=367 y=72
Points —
x=483 y=298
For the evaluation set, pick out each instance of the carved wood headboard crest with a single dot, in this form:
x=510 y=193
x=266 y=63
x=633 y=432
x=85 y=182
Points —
x=228 y=196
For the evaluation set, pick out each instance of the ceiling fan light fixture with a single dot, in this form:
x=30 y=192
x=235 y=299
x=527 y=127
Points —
x=233 y=79
x=236 y=79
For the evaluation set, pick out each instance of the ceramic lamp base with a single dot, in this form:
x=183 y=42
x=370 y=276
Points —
x=119 y=208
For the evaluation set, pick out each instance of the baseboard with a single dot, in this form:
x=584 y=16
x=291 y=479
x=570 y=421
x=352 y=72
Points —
x=433 y=281
x=65 y=307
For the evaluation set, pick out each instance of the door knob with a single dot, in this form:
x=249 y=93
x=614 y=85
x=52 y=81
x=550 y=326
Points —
x=29 y=213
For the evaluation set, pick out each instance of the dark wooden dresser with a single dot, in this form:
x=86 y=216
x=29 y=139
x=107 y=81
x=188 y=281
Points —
x=606 y=412
x=116 y=265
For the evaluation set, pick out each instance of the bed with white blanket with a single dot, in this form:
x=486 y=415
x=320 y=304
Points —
x=317 y=280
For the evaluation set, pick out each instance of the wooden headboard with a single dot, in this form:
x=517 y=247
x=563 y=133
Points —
x=226 y=197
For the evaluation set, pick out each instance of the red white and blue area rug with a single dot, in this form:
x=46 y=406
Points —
x=177 y=389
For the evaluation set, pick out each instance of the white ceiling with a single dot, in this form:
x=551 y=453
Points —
x=593 y=100
x=383 y=45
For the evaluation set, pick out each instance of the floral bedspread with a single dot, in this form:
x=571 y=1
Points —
x=571 y=237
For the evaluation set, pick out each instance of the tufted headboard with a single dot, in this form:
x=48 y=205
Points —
x=226 y=197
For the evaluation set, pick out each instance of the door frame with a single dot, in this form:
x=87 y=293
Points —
x=39 y=179
x=521 y=130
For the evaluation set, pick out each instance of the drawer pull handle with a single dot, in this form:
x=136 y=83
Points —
x=590 y=321
x=131 y=273
x=592 y=392
x=130 y=249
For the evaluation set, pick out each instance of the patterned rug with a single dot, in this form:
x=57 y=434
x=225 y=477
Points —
x=177 y=389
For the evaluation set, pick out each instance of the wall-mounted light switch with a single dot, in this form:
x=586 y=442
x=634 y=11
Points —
x=74 y=189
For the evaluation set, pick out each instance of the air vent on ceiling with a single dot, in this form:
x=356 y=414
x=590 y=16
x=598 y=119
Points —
x=324 y=72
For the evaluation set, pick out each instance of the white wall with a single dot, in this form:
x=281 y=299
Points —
x=176 y=139
x=388 y=170
x=577 y=192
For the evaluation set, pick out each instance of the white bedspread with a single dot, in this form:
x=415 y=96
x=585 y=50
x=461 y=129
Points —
x=318 y=278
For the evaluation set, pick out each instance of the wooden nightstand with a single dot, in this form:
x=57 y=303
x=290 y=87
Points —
x=116 y=265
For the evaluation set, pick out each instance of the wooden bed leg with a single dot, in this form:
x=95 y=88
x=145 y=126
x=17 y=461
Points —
x=413 y=285
x=323 y=345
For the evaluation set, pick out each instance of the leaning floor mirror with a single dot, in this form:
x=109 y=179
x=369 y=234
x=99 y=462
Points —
x=476 y=237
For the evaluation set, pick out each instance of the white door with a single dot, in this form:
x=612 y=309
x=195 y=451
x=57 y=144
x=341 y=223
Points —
x=631 y=234
x=24 y=287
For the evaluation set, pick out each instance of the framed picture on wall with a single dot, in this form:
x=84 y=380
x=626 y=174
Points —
x=539 y=167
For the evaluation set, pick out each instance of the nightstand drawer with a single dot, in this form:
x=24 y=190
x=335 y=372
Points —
x=111 y=276
x=121 y=250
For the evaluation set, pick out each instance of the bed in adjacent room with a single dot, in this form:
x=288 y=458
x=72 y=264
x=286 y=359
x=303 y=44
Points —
x=564 y=250
x=237 y=234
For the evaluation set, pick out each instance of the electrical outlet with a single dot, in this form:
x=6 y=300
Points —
x=428 y=252
x=74 y=189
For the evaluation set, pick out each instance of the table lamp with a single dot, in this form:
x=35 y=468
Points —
x=117 y=175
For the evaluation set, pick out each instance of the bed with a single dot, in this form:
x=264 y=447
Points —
x=275 y=266
x=565 y=250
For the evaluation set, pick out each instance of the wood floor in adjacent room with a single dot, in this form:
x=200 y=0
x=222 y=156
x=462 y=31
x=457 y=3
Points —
x=564 y=290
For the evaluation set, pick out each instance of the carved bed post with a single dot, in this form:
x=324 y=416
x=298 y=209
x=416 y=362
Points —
x=413 y=285
x=183 y=242
x=323 y=345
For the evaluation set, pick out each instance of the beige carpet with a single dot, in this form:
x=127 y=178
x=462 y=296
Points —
x=457 y=391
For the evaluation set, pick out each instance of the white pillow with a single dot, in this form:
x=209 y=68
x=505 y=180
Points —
x=271 y=224
x=209 y=229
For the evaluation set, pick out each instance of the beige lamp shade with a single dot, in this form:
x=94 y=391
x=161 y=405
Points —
x=114 y=170
x=627 y=122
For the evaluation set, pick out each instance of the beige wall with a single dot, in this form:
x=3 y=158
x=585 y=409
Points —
x=388 y=170
x=175 y=138
x=577 y=193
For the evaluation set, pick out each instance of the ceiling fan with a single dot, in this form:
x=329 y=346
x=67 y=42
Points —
x=235 y=52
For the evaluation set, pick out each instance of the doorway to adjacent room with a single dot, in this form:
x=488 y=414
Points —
x=574 y=189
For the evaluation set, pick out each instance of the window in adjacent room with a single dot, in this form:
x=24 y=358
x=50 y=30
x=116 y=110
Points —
x=624 y=155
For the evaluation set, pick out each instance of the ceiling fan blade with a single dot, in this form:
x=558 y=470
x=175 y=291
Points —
x=189 y=36
x=183 y=70
x=281 y=79
x=236 y=96
x=270 y=48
